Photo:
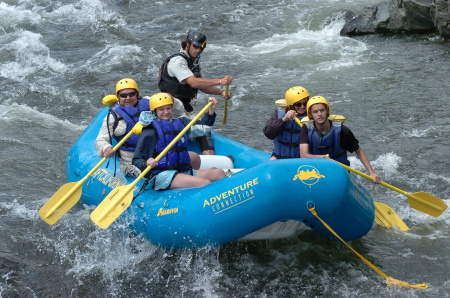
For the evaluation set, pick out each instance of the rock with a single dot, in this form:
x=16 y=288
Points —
x=440 y=11
x=401 y=16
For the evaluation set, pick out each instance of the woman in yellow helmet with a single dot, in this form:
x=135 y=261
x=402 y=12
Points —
x=174 y=169
x=281 y=127
x=323 y=138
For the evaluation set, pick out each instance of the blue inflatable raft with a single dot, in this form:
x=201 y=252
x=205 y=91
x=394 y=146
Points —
x=262 y=194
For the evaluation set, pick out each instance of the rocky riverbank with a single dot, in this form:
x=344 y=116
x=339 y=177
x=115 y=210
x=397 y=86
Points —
x=401 y=16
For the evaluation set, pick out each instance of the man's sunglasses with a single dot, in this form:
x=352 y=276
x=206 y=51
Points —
x=125 y=95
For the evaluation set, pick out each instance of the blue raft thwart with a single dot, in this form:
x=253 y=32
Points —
x=262 y=194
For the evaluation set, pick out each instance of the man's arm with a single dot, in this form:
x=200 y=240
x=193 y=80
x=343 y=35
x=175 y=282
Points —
x=178 y=67
x=103 y=140
x=208 y=86
x=366 y=163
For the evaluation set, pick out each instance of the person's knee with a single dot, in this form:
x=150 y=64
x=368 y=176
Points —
x=217 y=174
x=195 y=160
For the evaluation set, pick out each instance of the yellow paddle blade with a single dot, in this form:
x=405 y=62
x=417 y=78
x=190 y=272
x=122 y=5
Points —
x=61 y=202
x=426 y=203
x=387 y=218
x=113 y=206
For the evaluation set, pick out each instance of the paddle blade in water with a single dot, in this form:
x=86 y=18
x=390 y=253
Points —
x=386 y=217
x=61 y=202
x=112 y=206
x=426 y=203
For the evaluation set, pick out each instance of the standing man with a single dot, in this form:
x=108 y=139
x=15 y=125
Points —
x=180 y=76
x=323 y=138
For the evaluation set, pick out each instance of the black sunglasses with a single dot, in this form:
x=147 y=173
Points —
x=125 y=95
x=299 y=104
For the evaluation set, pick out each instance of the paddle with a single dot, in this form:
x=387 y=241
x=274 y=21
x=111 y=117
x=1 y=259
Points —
x=387 y=218
x=69 y=194
x=298 y=121
x=121 y=197
x=225 y=108
x=422 y=201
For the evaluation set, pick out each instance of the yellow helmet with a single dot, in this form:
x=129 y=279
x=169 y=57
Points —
x=126 y=84
x=160 y=99
x=315 y=100
x=295 y=94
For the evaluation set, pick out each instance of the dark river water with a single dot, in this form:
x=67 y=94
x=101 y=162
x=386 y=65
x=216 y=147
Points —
x=59 y=58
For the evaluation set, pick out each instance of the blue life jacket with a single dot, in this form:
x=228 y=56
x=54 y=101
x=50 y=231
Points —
x=177 y=158
x=330 y=143
x=286 y=144
x=182 y=91
x=131 y=116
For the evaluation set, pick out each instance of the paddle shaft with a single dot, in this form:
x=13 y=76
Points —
x=225 y=108
x=372 y=179
x=130 y=186
x=81 y=182
x=298 y=121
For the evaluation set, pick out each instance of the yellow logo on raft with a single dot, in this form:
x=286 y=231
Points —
x=108 y=179
x=308 y=175
x=162 y=211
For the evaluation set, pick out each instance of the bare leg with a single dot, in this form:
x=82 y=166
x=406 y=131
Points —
x=195 y=160
x=188 y=181
x=211 y=174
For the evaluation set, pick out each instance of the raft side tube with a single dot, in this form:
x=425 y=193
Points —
x=233 y=207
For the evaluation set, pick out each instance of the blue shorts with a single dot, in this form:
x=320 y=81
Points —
x=163 y=180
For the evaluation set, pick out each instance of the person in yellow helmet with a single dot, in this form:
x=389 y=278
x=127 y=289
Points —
x=174 y=170
x=123 y=115
x=323 y=138
x=180 y=76
x=281 y=127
